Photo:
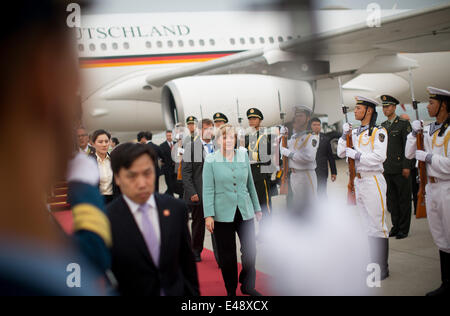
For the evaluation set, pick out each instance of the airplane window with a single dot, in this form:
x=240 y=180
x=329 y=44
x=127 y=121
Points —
x=212 y=42
x=252 y=40
x=290 y=38
x=159 y=44
x=92 y=47
x=81 y=47
x=115 y=46
x=126 y=45
x=271 y=40
x=242 y=40
x=180 y=43
x=261 y=40
x=103 y=46
x=191 y=43
x=170 y=43
x=232 y=41
x=280 y=39
x=201 y=42
x=148 y=44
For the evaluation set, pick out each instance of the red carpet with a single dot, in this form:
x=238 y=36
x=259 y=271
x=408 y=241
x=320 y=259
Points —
x=211 y=281
x=210 y=276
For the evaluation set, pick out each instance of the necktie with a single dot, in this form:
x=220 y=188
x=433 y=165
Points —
x=171 y=145
x=148 y=231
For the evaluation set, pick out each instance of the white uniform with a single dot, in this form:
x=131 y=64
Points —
x=437 y=196
x=302 y=150
x=370 y=185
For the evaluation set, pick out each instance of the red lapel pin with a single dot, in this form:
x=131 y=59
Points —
x=166 y=213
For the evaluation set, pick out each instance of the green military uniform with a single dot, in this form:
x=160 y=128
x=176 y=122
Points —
x=398 y=187
x=259 y=146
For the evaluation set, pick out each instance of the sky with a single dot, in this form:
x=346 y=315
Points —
x=135 y=6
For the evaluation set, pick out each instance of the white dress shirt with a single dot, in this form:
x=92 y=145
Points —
x=106 y=175
x=153 y=214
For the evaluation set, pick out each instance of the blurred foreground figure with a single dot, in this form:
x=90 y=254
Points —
x=38 y=96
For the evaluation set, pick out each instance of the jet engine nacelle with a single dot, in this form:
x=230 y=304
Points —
x=202 y=96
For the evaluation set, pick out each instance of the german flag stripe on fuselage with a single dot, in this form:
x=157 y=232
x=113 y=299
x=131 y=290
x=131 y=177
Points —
x=136 y=60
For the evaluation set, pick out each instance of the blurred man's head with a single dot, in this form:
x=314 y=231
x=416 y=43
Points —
x=207 y=129
x=169 y=136
x=142 y=137
x=114 y=142
x=82 y=138
x=133 y=166
x=316 y=125
x=39 y=96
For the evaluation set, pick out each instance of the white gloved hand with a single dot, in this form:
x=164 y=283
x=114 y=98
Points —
x=346 y=128
x=417 y=126
x=283 y=130
x=83 y=169
x=180 y=151
x=421 y=155
x=284 y=151
x=242 y=148
x=351 y=153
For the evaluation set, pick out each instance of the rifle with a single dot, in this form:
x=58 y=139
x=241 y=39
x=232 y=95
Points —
x=179 y=171
x=421 y=209
x=284 y=187
x=351 y=196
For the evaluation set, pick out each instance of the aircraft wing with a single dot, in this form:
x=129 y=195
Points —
x=415 y=31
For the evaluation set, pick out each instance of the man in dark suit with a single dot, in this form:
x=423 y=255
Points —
x=323 y=158
x=151 y=253
x=168 y=165
x=192 y=167
x=146 y=138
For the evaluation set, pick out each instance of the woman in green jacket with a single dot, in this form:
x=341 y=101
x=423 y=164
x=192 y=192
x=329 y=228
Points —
x=230 y=206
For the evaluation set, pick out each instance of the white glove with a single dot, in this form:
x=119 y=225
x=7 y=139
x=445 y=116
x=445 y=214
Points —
x=180 y=151
x=351 y=153
x=284 y=151
x=283 y=130
x=347 y=128
x=83 y=169
x=242 y=148
x=421 y=155
x=417 y=126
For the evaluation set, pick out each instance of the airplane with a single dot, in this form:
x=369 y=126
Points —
x=150 y=71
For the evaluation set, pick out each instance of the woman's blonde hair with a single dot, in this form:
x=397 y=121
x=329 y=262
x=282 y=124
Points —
x=226 y=129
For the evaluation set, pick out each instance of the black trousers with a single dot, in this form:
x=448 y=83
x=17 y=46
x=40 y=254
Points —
x=414 y=186
x=108 y=199
x=225 y=234
x=171 y=178
x=398 y=200
x=322 y=185
x=197 y=227
x=264 y=198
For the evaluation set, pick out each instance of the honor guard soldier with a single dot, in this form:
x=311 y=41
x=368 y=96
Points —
x=301 y=151
x=259 y=146
x=436 y=155
x=397 y=169
x=369 y=153
x=220 y=119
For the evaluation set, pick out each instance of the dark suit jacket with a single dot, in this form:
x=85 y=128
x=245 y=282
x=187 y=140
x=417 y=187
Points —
x=166 y=157
x=325 y=156
x=192 y=168
x=157 y=151
x=132 y=263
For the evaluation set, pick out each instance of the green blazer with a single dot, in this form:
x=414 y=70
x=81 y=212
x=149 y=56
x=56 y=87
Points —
x=227 y=186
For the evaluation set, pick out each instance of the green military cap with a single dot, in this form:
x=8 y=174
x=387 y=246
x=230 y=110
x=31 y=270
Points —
x=191 y=119
x=220 y=117
x=387 y=100
x=254 y=112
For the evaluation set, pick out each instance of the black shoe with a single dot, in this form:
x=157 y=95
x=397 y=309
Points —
x=231 y=294
x=393 y=233
x=444 y=290
x=401 y=236
x=197 y=257
x=251 y=292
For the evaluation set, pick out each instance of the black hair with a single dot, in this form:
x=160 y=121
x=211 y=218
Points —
x=168 y=131
x=315 y=119
x=141 y=135
x=126 y=154
x=149 y=135
x=98 y=133
x=115 y=140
